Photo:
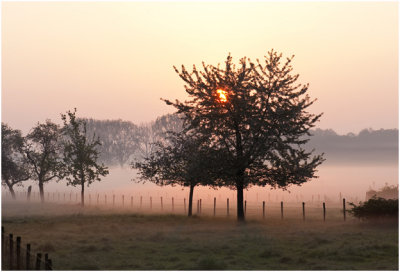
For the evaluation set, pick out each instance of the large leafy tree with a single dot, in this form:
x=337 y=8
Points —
x=43 y=150
x=256 y=115
x=14 y=166
x=80 y=154
x=180 y=159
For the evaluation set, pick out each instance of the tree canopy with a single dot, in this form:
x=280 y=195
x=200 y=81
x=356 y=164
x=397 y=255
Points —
x=14 y=166
x=255 y=115
x=80 y=154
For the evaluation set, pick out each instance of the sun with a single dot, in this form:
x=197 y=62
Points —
x=222 y=95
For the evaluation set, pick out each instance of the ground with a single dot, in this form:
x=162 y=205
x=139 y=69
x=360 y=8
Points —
x=94 y=239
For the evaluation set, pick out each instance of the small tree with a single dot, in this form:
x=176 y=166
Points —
x=80 y=154
x=256 y=116
x=181 y=159
x=14 y=167
x=43 y=152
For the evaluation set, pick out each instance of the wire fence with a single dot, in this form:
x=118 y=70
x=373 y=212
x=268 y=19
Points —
x=209 y=206
x=16 y=256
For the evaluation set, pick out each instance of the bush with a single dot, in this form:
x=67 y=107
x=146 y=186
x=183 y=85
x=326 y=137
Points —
x=376 y=207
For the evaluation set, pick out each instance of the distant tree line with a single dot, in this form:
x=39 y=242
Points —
x=51 y=152
x=123 y=141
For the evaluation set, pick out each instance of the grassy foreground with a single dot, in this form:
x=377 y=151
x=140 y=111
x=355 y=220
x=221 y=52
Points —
x=100 y=240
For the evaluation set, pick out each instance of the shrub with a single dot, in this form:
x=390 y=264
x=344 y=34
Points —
x=376 y=207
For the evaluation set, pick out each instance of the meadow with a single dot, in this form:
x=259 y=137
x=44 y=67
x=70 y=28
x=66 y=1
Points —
x=96 y=238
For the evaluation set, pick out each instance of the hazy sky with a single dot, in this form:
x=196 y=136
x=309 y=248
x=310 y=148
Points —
x=114 y=60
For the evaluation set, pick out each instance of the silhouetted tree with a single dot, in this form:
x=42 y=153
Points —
x=80 y=154
x=14 y=167
x=256 y=116
x=181 y=159
x=43 y=151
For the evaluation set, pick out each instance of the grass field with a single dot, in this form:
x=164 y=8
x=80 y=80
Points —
x=94 y=239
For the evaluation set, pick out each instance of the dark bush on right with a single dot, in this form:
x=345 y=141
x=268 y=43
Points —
x=376 y=207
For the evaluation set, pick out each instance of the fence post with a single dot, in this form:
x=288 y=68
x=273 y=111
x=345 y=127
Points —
x=131 y=201
x=90 y=199
x=161 y=203
x=70 y=197
x=11 y=251
x=184 y=205
x=173 y=205
x=28 y=256
x=18 y=252
x=304 y=212
x=64 y=197
x=227 y=206
x=141 y=201
x=2 y=244
x=323 y=207
x=344 y=209
x=198 y=206
x=38 y=260
x=263 y=209
x=215 y=205
x=123 y=200
x=105 y=199
x=46 y=261
x=245 y=206
x=58 y=197
x=281 y=209
x=28 y=197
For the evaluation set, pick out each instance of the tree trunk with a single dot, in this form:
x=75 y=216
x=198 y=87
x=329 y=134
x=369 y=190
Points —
x=83 y=194
x=41 y=191
x=239 y=188
x=190 y=200
x=12 y=192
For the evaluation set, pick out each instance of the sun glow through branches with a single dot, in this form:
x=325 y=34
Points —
x=222 y=95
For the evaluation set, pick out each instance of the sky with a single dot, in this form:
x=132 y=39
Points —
x=115 y=60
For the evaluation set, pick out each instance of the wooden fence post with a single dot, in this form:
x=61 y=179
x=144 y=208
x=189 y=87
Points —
x=46 y=261
x=304 y=212
x=28 y=197
x=131 y=201
x=70 y=197
x=215 y=205
x=263 y=209
x=28 y=257
x=123 y=200
x=198 y=206
x=2 y=244
x=245 y=206
x=184 y=205
x=18 y=252
x=344 y=209
x=161 y=203
x=141 y=201
x=323 y=207
x=11 y=251
x=227 y=206
x=281 y=209
x=105 y=199
x=90 y=199
x=38 y=260
x=173 y=206
x=64 y=197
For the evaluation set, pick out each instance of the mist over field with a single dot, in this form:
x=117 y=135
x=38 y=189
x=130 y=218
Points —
x=354 y=164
